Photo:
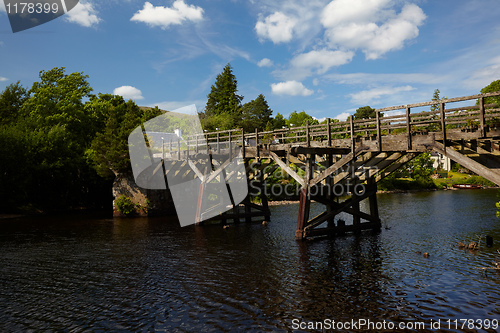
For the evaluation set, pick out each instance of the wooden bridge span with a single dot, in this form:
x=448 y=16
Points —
x=338 y=164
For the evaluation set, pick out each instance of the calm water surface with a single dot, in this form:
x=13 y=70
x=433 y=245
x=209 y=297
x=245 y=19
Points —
x=93 y=274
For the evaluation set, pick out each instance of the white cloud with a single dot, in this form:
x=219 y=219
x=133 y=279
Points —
x=277 y=27
x=372 y=26
x=484 y=76
x=343 y=116
x=293 y=88
x=3 y=79
x=128 y=92
x=366 y=97
x=83 y=14
x=318 y=62
x=386 y=78
x=265 y=63
x=165 y=16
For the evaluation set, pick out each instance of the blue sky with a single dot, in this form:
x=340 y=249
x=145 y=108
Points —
x=324 y=57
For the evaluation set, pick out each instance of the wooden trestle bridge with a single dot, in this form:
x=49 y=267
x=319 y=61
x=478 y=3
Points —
x=338 y=164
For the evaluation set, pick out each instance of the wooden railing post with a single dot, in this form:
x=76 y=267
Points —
x=230 y=147
x=257 y=143
x=481 y=117
x=379 y=134
x=178 y=148
x=328 y=132
x=353 y=138
x=443 y=122
x=243 y=142
x=408 y=128
x=218 y=142
x=196 y=143
x=307 y=134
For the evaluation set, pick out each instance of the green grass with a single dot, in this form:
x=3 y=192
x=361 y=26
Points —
x=461 y=178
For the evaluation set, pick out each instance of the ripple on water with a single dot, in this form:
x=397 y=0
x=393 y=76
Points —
x=61 y=274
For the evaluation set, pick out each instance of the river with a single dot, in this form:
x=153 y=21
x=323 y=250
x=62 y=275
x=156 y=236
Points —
x=88 y=273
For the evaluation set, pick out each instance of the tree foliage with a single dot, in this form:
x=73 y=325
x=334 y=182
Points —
x=49 y=136
x=11 y=100
x=492 y=87
x=300 y=119
x=109 y=150
x=365 y=112
x=255 y=114
x=223 y=97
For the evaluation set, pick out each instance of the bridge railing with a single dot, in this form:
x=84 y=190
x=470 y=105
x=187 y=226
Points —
x=392 y=120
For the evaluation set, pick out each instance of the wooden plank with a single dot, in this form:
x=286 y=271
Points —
x=450 y=100
x=340 y=163
x=408 y=129
x=396 y=165
x=379 y=133
x=443 y=121
x=287 y=169
x=468 y=163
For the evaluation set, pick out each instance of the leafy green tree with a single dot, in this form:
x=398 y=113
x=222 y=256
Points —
x=57 y=99
x=419 y=167
x=11 y=100
x=255 y=114
x=492 y=87
x=365 y=112
x=109 y=149
x=279 y=121
x=223 y=100
x=300 y=119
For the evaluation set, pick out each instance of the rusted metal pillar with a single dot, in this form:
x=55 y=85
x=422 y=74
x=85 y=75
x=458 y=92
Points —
x=305 y=199
x=304 y=204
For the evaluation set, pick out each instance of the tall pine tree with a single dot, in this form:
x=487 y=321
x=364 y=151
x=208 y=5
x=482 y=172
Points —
x=223 y=109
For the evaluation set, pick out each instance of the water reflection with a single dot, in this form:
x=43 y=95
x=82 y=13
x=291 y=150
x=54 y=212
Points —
x=90 y=273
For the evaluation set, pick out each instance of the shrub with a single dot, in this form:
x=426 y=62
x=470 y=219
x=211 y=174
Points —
x=125 y=205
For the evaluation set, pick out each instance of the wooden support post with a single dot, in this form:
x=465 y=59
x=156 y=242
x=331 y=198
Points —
x=443 y=122
x=330 y=195
x=199 y=205
x=379 y=133
x=481 y=117
x=356 y=220
x=372 y=186
x=243 y=143
x=408 y=128
x=353 y=138
x=265 y=204
x=170 y=148
x=329 y=132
